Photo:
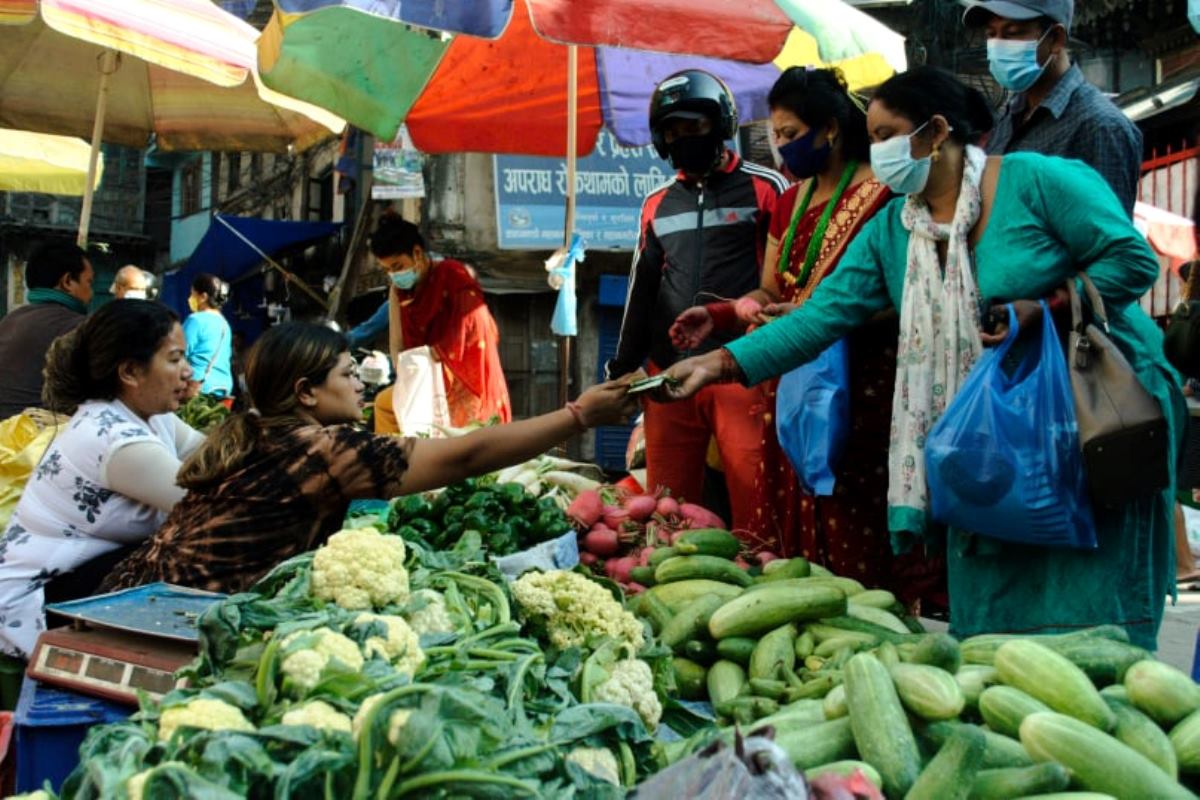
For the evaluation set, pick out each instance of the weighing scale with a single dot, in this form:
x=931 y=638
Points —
x=122 y=642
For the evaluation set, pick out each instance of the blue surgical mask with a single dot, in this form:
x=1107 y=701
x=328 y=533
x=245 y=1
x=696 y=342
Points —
x=405 y=279
x=894 y=166
x=802 y=159
x=1014 y=62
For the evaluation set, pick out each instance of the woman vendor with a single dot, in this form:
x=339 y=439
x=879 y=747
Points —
x=209 y=339
x=439 y=304
x=820 y=129
x=277 y=480
x=974 y=231
x=107 y=480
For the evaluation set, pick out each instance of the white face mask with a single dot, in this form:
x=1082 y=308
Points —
x=894 y=166
x=135 y=294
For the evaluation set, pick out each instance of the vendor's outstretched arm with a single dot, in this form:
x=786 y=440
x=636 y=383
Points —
x=438 y=462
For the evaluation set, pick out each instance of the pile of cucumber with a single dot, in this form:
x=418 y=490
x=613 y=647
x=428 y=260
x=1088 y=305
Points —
x=849 y=685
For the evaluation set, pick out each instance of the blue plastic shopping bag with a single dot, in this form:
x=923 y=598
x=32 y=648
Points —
x=1004 y=460
x=812 y=417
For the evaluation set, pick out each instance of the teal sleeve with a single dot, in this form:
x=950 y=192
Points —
x=852 y=294
x=193 y=336
x=1081 y=210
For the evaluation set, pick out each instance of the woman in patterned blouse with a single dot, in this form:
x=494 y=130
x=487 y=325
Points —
x=277 y=480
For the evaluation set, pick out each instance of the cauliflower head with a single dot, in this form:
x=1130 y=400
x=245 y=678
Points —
x=304 y=666
x=202 y=712
x=599 y=761
x=396 y=721
x=631 y=684
x=318 y=714
x=359 y=569
x=402 y=647
x=433 y=616
x=40 y=794
x=572 y=608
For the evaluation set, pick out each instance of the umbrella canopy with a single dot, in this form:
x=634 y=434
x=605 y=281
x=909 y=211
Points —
x=183 y=73
x=41 y=162
x=1171 y=235
x=509 y=94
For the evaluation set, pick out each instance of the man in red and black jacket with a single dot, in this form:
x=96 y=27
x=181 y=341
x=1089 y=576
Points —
x=702 y=240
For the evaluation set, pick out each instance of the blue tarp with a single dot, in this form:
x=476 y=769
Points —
x=222 y=253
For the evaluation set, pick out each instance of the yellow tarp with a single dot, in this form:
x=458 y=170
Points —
x=802 y=49
x=40 y=162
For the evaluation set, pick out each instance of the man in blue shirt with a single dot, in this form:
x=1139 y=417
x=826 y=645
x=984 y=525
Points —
x=1053 y=110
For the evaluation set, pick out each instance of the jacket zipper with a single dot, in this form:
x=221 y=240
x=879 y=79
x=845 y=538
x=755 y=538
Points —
x=696 y=274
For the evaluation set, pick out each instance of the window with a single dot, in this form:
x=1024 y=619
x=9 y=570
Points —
x=255 y=167
x=190 y=189
x=320 y=197
x=233 y=178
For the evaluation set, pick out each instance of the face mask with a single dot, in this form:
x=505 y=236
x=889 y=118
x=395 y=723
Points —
x=136 y=294
x=893 y=164
x=696 y=155
x=193 y=303
x=405 y=279
x=1014 y=64
x=802 y=159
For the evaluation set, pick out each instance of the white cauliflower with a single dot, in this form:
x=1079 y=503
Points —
x=599 y=761
x=573 y=608
x=402 y=647
x=40 y=794
x=304 y=666
x=631 y=684
x=433 y=616
x=202 y=712
x=318 y=714
x=360 y=568
x=396 y=721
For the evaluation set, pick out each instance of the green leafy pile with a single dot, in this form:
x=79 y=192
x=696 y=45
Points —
x=509 y=517
x=491 y=712
x=203 y=412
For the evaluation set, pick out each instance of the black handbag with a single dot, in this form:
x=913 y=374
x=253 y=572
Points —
x=1181 y=341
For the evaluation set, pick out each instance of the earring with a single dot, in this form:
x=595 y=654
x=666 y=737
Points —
x=936 y=155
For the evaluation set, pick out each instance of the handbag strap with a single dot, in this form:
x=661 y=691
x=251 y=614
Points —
x=1094 y=300
x=1189 y=288
x=213 y=359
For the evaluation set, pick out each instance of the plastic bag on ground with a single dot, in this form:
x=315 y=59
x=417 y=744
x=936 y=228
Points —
x=1004 y=460
x=812 y=417
x=752 y=769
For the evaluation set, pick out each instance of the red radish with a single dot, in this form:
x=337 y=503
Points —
x=765 y=557
x=586 y=509
x=614 y=516
x=665 y=536
x=667 y=507
x=634 y=588
x=741 y=563
x=602 y=541
x=610 y=568
x=641 y=507
x=588 y=559
x=701 y=517
x=676 y=534
x=644 y=556
x=621 y=567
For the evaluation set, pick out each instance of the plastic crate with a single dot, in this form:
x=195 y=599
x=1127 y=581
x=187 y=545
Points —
x=50 y=725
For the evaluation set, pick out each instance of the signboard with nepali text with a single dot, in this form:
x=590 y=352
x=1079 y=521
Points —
x=610 y=184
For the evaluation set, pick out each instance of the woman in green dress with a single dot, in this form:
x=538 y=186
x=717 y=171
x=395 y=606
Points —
x=974 y=232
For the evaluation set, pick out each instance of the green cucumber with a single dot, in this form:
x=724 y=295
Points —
x=937 y=650
x=1165 y=693
x=642 y=575
x=678 y=594
x=1138 y=731
x=929 y=692
x=877 y=598
x=775 y=649
x=726 y=680
x=766 y=608
x=950 y=775
x=782 y=569
x=655 y=610
x=1001 y=751
x=809 y=745
x=691 y=678
x=689 y=622
x=881 y=730
x=700 y=650
x=1009 y=782
x=708 y=542
x=660 y=555
x=737 y=649
x=1003 y=708
x=1049 y=677
x=714 y=568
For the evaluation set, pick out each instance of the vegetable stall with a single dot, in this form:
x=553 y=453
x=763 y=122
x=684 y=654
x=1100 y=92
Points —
x=406 y=658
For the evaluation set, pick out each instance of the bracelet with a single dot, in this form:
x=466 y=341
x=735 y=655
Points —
x=730 y=372
x=1056 y=302
x=577 y=413
x=724 y=316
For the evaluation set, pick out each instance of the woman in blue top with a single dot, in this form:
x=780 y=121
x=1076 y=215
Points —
x=209 y=338
x=975 y=231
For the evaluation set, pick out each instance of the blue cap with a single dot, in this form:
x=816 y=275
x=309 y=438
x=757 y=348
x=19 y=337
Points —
x=1061 y=11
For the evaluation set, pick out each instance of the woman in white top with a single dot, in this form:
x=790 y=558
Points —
x=108 y=479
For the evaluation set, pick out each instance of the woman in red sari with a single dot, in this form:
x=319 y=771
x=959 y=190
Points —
x=821 y=132
x=439 y=304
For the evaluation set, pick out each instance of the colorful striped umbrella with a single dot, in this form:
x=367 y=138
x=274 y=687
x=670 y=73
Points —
x=121 y=70
x=42 y=162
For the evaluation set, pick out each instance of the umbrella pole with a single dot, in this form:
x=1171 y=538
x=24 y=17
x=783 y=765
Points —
x=108 y=65
x=564 y=361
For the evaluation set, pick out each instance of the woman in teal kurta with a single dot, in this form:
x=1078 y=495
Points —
x=1043 y=219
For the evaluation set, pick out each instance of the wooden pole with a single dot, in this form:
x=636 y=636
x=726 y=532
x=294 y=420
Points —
x=108 y=63
x=564 y=359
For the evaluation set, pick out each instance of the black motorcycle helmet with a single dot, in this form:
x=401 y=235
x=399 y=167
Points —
x=696 y=91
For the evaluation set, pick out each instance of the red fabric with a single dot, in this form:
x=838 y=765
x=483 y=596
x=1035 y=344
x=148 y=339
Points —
x=723 y=315
x=677 y=437
x=848 y=531
x=507 y=95
x=447 y=312
x=750 y=30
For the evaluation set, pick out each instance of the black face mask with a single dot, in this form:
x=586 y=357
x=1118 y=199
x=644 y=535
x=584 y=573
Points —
x=696 y=155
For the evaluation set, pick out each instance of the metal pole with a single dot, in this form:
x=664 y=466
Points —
x=108 y=63
x=564 y=359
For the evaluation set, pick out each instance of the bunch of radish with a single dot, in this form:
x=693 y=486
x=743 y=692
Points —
x=619 y=530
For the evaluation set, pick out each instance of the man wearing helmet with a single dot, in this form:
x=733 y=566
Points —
x=702 y=239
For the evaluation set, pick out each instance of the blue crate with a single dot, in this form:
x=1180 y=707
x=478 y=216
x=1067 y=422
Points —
x=50 y=725
x=613 y=289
